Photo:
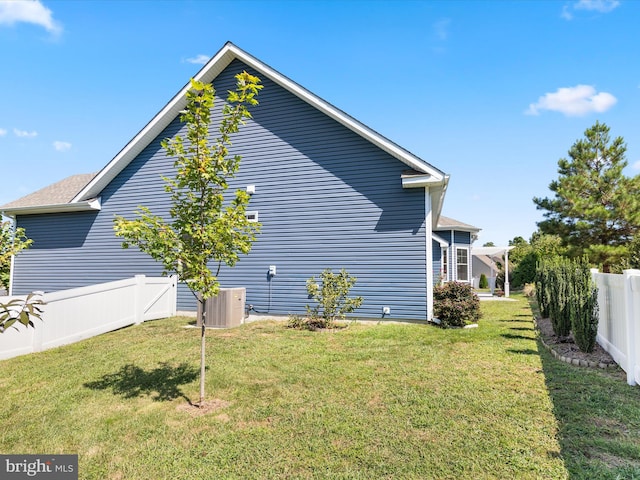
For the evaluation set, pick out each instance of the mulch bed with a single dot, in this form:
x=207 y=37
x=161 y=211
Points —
x=567 y=351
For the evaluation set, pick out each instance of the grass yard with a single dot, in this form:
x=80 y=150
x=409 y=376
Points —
x=374 y=401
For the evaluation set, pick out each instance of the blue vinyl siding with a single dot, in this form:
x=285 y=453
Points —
x=462 y=238
x=437 y=262
x=325 y=197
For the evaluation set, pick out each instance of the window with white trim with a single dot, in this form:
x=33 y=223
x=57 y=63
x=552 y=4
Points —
x=462 y=264
x=445 y=262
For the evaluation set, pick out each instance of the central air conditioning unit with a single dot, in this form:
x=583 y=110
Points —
x=225 y=310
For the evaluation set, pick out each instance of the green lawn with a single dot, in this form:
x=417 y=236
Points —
x=370 y=401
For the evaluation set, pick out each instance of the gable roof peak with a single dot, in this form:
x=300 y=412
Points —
x=207 y=74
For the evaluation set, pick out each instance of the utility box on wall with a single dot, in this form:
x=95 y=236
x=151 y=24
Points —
x=226 y=310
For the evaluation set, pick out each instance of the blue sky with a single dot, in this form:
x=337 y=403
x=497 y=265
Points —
x=492 y=93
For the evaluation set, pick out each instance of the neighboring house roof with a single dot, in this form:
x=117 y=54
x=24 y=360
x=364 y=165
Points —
x=55 y=197
x=446 y=223
x=421 y=173
x=485 y=259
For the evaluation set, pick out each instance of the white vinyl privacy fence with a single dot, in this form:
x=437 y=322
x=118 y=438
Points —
x=619 y=323
x=73 y=315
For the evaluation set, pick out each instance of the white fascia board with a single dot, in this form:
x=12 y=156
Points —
x=83 y=206
x=153 y=128
x=207 y=74
x=440 y=240
x=335 y=113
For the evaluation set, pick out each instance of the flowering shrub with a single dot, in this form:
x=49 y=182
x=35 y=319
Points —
x=455 y=304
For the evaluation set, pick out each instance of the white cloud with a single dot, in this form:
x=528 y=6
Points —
x=573 y=101
x=29 y=11
x=636 y=165
x=602 y=6
x=24 y=133
x=61 y=146
x=3 y=132
x=566 y=13
x=441 y=28
x=198 y=59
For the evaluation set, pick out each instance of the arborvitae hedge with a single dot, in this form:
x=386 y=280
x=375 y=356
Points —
x=584 y=308
x=567 y=295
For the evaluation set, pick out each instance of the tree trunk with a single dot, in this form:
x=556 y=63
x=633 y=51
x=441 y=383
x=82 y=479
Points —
x=203 y=317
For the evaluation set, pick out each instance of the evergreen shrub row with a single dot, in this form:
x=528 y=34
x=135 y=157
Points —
x=567 y=295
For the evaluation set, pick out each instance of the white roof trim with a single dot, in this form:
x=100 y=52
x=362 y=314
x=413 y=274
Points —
x=490 y=251
x=440 y=240
x=421 y=181
x=85 y=205
x=208 y=73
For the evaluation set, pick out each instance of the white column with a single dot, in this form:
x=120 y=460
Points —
x=506 y=273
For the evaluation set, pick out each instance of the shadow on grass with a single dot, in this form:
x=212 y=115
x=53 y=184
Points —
x=525 y=351
x=513 y=336
x=162 y=382
x=598 y=420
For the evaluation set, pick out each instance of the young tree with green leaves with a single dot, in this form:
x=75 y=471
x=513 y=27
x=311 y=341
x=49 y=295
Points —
x=204 y=228
x=22 y=311
x=595 y=208
x=12 y=241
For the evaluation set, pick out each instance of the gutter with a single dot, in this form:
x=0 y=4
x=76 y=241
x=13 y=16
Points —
x=83 y=206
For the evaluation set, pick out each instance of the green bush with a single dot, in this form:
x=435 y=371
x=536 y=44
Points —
x=566 y=294
x=331 y=295
x=484 y=283
x=455 y=304
x=543 y=290
x=584 y=308
x=555 y=293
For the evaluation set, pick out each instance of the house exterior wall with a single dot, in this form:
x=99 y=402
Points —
x=457 y=239
x=437 y=262
x=326 y=198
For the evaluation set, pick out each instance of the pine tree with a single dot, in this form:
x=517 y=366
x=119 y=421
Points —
x=595 y=208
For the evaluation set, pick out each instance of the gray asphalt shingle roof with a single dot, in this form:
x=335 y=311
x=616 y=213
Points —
x=55 y=194
x=450 y=223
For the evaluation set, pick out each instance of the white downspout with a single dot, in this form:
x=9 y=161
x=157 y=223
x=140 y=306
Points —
x=428 y=223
